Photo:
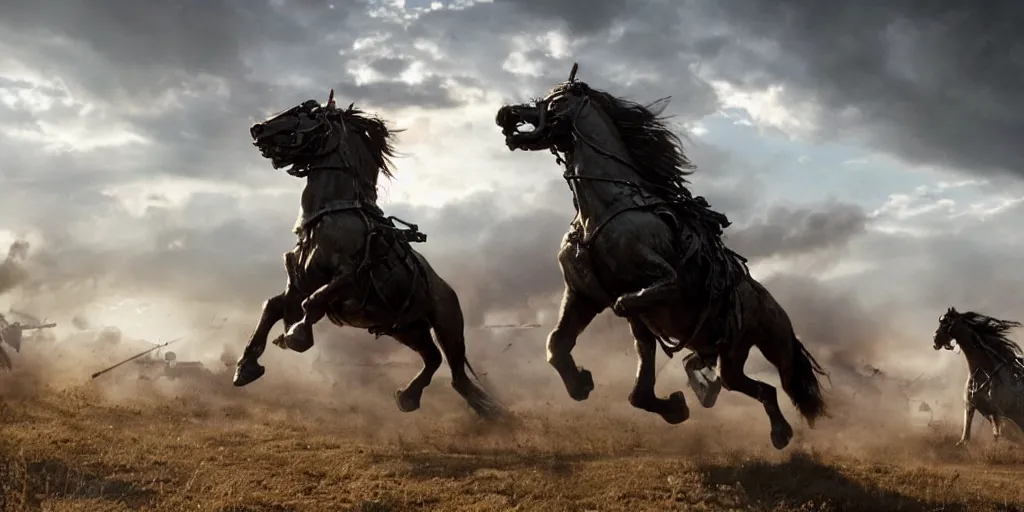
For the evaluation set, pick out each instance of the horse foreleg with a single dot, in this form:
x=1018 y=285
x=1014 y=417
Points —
x=417 y=337
x=673 y=409
x=663 y=290
x=248 y=368
x=965 y=437
x=299 y=336
x=701 y=376
x=634 y=303
x=574 y=316
x=734 y=379
x=997 y=426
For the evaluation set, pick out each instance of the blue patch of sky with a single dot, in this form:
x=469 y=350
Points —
x=803 y=172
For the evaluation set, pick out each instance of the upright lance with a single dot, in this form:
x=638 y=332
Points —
x=136 y=356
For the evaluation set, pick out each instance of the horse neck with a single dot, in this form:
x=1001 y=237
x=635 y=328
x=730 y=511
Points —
x=596 y=196
x=337 y=179
x=977 y=356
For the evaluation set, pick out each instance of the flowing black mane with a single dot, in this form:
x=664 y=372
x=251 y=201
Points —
x=656 y=152
x=375 y=134
x=992 y=333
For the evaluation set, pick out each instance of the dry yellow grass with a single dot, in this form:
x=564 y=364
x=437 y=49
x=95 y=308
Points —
x=237 y=450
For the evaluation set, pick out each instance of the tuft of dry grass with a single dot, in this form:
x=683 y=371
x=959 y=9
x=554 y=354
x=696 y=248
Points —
x=77 y=450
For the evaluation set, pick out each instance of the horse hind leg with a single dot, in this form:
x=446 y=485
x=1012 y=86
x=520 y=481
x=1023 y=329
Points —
x=417 y=337
x=1015 y=420
x=672 y=409
x=734 y=379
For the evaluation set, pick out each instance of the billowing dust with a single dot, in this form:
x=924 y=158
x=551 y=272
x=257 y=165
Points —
x=338 y=398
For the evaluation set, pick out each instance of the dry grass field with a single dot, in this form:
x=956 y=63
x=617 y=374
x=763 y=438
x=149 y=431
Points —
x=212 y=447
x=301 y=439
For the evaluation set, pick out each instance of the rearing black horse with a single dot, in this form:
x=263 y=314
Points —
x=644 y=246
x=351 y=263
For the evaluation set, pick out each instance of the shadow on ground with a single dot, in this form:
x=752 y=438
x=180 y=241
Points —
x=804 y=483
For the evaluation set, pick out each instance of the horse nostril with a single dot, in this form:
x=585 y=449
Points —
x=255 y=130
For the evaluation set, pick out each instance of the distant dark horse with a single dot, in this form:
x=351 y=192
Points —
x=995 y=387
x=351 y=263
x=642 y=244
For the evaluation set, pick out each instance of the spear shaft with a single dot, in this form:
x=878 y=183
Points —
x=132 y=358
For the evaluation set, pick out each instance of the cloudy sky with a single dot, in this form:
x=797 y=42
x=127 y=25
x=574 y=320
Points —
x=869 y=156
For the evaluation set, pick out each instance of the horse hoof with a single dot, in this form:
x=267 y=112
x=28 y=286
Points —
x=584 y=385
x=620 y=308
x=676 y=410
x=279 y=342
x=406 y=402
x=710 y=395
x=782 y=436
x=299 y=338
x=247 y=372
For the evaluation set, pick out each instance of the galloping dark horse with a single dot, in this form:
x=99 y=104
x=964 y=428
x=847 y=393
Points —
x=642 y=244
x=995 y=387
x=351 y=263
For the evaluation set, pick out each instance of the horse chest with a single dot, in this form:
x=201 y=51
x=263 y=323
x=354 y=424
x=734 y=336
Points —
x=577 y=263
x=980 y=397
x=993 y=397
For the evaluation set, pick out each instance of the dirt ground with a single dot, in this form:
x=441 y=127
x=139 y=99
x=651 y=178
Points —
x=214 y=447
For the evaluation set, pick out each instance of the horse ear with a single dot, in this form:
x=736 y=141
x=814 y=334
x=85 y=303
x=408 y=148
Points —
x=575 y=68
x=330 y=99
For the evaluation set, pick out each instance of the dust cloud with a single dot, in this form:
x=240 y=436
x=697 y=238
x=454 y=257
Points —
x=349 y=378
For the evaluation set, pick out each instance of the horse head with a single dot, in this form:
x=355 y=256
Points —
x=311 y=135
x=550 y=117
x=293 y=138
x=948 y=324
x=633 y=139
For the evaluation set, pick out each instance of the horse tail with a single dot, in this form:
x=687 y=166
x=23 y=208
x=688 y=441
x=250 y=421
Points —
x=473 y=388
x=449 y=331
x=802 y=385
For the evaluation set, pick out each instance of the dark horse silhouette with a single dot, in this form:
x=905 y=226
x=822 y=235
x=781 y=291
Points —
x=351 y=263
x=995 y=387
x=642 y=244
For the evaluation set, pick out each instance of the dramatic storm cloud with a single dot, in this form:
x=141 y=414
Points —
x=867 y=155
